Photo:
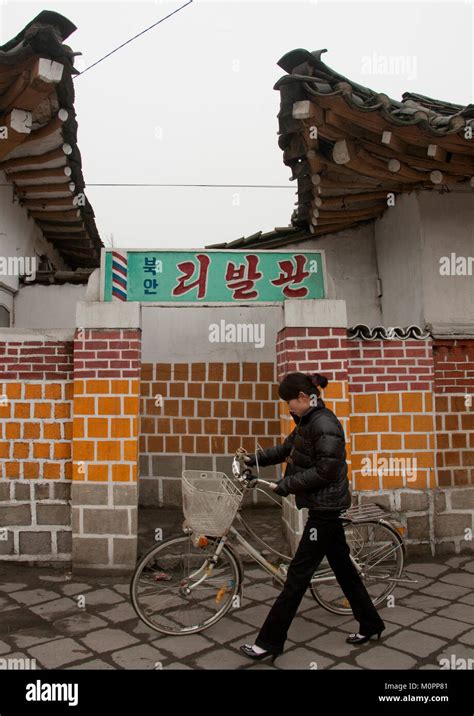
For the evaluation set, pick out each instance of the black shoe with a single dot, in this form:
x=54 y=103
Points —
x=247 y=649
x=362 y=638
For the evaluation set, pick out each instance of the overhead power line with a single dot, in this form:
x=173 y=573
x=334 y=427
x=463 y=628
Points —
x=199 y=186
x=134 y=38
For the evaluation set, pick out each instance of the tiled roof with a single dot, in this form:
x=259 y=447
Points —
x=280 y=236
x=349 y=146
x=40 y=156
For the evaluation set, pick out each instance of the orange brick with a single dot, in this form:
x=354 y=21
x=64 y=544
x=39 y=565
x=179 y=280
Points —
x=31 y=430
x=84 y=406
x=131 y=406
x=52 y=431
x=41 y=450
x=4 y=449
x=342 y=409
x=33 y=391
x=62 y=451
x=109 y=406
x=109 y=450
x=366 y=482
x=428 y=402
x=377 y=424
x=22 y=410
x=364 y=404
x=62 y=410
x=130 y=450
x=97 y=428
x=5 y=411
x=12 y=469
x=77 y=474
x=134 y=472
x=67 y=431
x=78 y=387
x=401 y=423
x=43 y=410
x=51 y=470
x=425 y=459
x=121 y=473
x=68 y=391
x=31 y=470
x=12 y=430
x=358 y=423
x=83 y=450
x=119 y=386
x=53 y=391
x=392 y=481
x=135 y=387
x=334 y=390
x=365 y=443
x=120 y=428
x=98 y=473
x=422 y=423
x=412 y=442
x=78 y=427
x=21 y=450
x=412 y=402
x=68 y=470
x=94 y=387
x=13 y=390
x=388 y=403
x=391 y=442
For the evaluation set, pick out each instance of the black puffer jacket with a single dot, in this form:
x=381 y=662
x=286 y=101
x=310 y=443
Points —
x=315 y=453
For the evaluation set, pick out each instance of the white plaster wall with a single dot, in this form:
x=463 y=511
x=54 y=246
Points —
x=181 y=334
x=20 y=237
x=53 y=306
x=352 y=271
x=410 y=239
x=399 y=256
x=448 y=226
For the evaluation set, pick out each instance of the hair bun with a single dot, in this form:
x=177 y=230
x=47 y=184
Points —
x=319 y=380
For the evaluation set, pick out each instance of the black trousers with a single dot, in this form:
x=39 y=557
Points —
x=331 y=543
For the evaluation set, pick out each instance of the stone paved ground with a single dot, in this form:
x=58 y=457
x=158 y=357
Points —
x=41 y=620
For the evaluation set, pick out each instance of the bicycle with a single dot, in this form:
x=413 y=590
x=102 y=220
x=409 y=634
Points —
x=189 y=582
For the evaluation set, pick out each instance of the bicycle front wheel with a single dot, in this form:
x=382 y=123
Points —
x=378 y=550
x=174 y=591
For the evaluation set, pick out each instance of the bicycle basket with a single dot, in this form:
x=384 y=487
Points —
x=210 y=501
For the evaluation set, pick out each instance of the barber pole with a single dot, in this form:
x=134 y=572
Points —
x=119 y=275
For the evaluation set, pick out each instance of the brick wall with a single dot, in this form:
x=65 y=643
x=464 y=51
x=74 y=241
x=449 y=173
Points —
x=36 y=393
x=195 y=415
x=409 y=433
x=105 y=447
x=311 y=350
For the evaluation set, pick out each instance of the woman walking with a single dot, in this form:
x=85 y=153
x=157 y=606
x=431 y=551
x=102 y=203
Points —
x=316 y=474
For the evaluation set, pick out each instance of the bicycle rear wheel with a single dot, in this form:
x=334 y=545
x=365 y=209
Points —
x=379 y=550
x=162 y=590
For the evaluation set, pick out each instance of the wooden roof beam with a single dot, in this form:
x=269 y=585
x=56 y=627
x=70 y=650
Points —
x=15 y=127
x=45 y=75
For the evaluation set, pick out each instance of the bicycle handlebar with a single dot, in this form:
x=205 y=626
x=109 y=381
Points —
x=249 y=477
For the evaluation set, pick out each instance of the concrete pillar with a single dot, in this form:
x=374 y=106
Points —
x=104 y=499
x=312 y=339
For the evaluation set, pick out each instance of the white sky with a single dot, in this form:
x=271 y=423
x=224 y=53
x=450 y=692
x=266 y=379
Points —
x=192 y=101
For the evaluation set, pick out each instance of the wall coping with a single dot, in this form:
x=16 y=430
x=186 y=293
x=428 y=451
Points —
x=24 y=335
x=108 y=314
x=314 y=313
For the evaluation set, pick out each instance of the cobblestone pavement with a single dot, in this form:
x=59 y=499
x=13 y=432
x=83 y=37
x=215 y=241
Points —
x=41 y=620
